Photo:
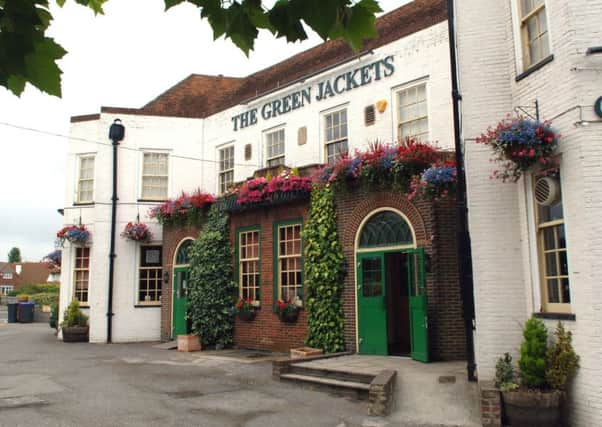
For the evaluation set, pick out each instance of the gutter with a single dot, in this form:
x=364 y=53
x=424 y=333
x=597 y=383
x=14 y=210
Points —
x=463 y=234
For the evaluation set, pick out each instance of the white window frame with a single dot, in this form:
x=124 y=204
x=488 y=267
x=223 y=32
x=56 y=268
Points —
x=520 y=54
x=142 y=175
x=7 y=276
x=266 y=138
x=255 y=289
x=397 y=113
x=80 y=159
x=324 y=131
x=139 y=268
x=221 y=189
x=75 y=270
x=280 y=257
x=6 y=289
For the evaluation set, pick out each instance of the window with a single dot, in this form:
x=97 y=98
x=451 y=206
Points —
x=248 y=264
x=534 y=31
x=552 y=253
x=412 y=113
x=151 y=272
x=274 y=143
x=289 y=277
x=226 y=168
x=7 y=276
x=335 y=135
x=155 y=176
x=6 y=289
x=81 y=274
x=386 y=228
x=85 y=183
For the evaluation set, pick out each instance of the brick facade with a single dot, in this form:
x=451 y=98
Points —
x=434 y=227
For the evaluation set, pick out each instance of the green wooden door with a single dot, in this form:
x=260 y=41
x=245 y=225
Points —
x=418 y=305
x=372 y=314
x=180 y=300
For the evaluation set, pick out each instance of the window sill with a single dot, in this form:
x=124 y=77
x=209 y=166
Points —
x=147 y=305
x=533 y=68
x=151 y=200
x=555 y=316
x=83 y=203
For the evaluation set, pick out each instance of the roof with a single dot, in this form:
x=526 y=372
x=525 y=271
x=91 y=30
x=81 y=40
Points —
x=199 y=96
x=34 y=272
x=7 y=267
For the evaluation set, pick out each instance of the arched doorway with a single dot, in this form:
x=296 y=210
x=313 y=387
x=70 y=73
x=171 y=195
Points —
x=181 y=271
x=391 y=287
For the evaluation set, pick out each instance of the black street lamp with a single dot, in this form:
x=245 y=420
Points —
x=116 y=134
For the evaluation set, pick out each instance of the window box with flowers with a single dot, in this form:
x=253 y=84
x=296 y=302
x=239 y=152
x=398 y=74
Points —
x=246 y=309
x=75 y=234
x=185 y=209
x=436 y=183
x=518 y=144
x=137 y=232
x=288 y=310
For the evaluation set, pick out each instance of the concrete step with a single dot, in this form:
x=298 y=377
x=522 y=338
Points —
x=353 y=389
x=333 y=374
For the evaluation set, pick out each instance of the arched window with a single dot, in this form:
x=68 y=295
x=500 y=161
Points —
x=386 y=228
x=182 y=257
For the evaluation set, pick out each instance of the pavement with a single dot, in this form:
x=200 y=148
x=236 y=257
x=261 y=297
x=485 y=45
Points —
x=45 y=382
x=3 y=313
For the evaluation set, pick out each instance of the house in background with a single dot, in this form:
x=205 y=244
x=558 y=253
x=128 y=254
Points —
x=17 y=274
x=8 y=278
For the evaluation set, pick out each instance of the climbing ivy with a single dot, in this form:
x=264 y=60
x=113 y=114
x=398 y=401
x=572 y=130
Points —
x=323 y=265
x=211 y=287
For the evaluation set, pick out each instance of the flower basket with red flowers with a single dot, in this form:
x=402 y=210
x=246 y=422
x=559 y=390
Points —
x=435 y=183
x=519 y=144
x=288 y=309
x=186 y=209
x=247 y=309
x=76 y=234
x=137 y=231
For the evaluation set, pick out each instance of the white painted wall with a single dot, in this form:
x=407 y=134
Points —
x=503 y=237
x=421 y=55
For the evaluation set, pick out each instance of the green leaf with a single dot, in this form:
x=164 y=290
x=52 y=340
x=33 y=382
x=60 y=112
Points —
x=16 y=84
x=41 y=69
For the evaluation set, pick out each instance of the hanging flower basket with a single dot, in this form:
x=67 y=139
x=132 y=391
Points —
x=436 y=183
x=76 y=234
x=519 y=144
x=137 y=232
x=288 y=310
x=247 y=309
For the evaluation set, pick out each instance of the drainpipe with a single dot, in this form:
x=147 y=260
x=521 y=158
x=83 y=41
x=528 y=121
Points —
x=463 y=236
x=116 y=134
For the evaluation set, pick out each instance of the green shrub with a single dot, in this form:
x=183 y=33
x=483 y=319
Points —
x=532 y=362
x=45 y=298
x=562 y=360
x=323 y=265
x=54 y=315
x=504 y=373
x=211 y=289
x=33 y=289
x=74 y=316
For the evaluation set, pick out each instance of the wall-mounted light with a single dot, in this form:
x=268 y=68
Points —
x=166 y=277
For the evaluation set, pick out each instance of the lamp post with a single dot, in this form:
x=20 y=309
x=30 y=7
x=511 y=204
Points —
x=116 y=134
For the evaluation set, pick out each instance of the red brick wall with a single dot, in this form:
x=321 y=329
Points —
x=267 y=331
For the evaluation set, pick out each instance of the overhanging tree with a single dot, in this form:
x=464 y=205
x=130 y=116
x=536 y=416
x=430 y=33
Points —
x=211 y=289
x=28 y=56
x=323 y=266
x=14 y=255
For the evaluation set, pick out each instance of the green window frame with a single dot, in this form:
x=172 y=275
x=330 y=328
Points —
x=277 y=258
x=239 y=272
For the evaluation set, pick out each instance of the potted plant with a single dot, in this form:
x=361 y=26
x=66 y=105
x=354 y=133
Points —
x=247 y=309
x=75 y=324
x=137 y=232
x=288 y=310
x=543 y=371
x=76 y=234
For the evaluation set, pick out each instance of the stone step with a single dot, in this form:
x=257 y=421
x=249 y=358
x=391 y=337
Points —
x=348 y=388
x=333 y=374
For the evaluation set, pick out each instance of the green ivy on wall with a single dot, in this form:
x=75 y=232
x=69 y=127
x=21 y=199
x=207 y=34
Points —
x=323 y=266
x=211 y=287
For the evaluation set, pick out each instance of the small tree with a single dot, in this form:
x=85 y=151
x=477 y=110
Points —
x=74 y=316
x=211 y=289
x=562 y=360
x=14 y=255
x=532 y=362
x=323 y=265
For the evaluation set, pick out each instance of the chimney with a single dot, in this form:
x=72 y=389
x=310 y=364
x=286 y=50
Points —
x=18 y=268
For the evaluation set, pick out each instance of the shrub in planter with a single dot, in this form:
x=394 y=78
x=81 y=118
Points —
x=544 y=373
x=75 y=324
x=54 y=316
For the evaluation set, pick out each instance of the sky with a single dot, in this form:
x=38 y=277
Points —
x=125 y=58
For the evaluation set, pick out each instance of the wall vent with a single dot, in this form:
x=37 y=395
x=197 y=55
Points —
x=547 y=191
x=369 y=115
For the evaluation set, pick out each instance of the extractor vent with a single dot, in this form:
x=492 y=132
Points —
x=547 y=191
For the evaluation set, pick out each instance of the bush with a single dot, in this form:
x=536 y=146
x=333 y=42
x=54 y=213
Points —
x=45 y=298
x=54 y=315
x=74 y=316
x=32 y=289
x=323 y=264
x=562 y=360
x=532 y=362
x=504 y=373
x=211 y=289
